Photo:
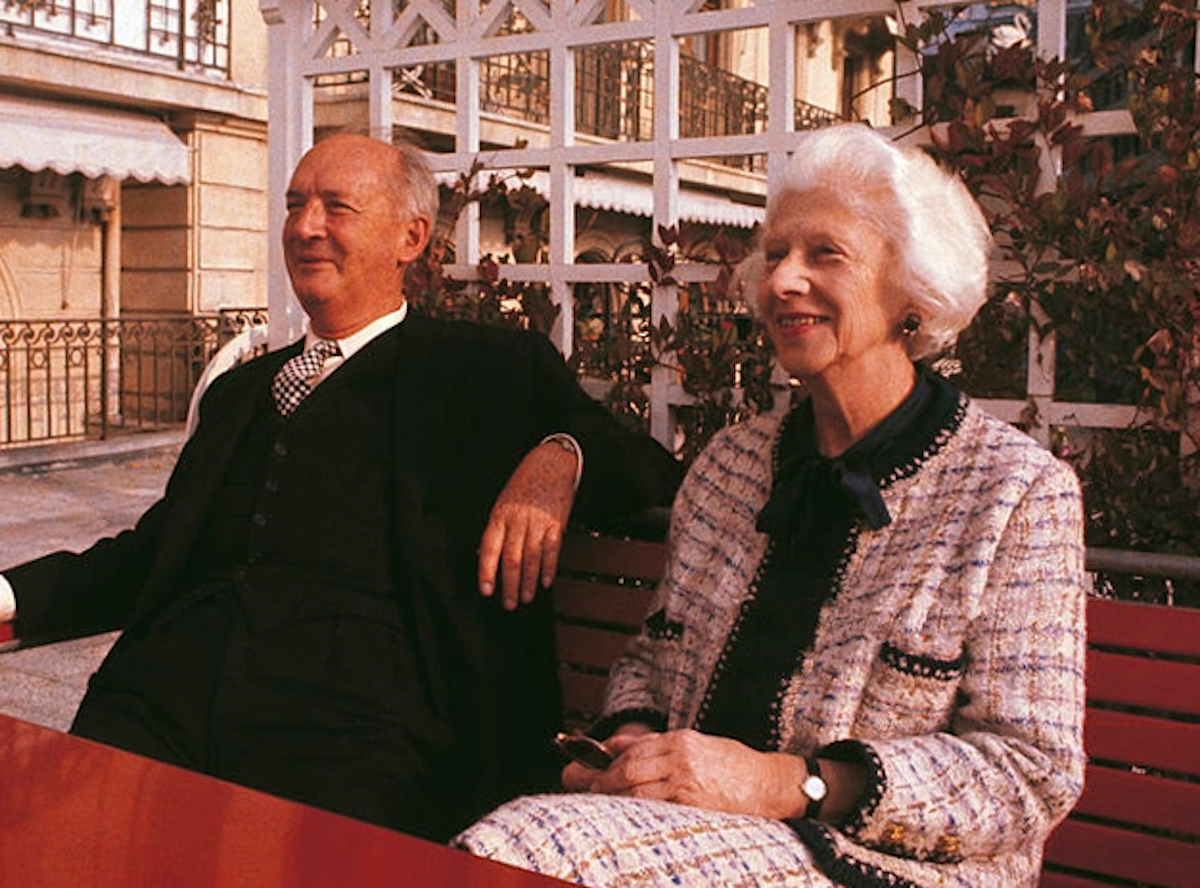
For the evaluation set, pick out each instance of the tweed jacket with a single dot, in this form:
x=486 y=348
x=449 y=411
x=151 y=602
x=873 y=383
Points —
x=950 y=658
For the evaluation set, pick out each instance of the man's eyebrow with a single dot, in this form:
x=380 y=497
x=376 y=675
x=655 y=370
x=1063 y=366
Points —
x=326 y=196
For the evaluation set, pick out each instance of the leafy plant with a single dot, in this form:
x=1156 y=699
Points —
x=717 y=353
x=714 y=349
x=489 y=298
x=1105 y=257
x=721 y=356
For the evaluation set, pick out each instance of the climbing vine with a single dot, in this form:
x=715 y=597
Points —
x=1104 y=255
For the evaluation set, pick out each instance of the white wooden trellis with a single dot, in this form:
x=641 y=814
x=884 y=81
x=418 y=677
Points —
x=300 y=52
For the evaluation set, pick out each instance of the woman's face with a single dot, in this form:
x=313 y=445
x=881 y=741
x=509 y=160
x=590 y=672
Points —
x=825 y=296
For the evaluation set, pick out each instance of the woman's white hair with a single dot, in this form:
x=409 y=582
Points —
x=938 y=231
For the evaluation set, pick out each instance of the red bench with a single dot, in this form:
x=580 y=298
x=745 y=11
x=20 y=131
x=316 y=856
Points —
x=1139 y=817
x=1138 y=822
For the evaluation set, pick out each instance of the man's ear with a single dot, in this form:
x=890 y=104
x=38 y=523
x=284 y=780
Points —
x=412 y=238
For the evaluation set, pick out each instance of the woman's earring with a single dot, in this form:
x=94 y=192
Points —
x=911 y=324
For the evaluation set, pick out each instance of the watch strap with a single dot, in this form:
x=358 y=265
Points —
x=813 y=810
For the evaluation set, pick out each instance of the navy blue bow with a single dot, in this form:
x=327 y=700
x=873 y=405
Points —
x=804 y=488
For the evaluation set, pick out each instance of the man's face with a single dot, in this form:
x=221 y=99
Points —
x=345 y=241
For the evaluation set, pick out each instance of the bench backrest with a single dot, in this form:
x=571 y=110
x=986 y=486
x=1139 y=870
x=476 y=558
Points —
x=600 y=598
x=1139 y=817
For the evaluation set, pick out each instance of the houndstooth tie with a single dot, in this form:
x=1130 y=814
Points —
x=291 y=382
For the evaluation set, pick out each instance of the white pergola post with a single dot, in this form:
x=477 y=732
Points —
x=303 y=49
x=664 y=299
x=562 y=181
x=289 y=135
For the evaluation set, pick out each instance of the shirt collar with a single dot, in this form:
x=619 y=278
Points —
x=804 y=480
x=352 y=343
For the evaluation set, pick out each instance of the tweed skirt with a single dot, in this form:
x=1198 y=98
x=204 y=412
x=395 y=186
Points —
x=614 y=842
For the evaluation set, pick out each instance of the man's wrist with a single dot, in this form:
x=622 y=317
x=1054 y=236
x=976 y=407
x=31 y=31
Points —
x=569 y=444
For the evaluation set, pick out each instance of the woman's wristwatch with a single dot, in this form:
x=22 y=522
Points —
x=814 y=788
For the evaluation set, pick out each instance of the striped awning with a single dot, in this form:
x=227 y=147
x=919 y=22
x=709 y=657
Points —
x=41 y=135
x=600 y=191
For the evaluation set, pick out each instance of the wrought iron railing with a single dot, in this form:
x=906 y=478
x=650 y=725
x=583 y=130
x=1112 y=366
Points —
x=614 y=94
x=190 y=33
x=614 y=91
x=78 y=379
x=813 y=117
x=714 y=102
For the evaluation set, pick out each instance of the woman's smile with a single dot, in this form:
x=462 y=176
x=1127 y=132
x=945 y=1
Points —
x=796 y=323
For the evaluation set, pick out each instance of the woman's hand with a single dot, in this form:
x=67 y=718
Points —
x=579 y=778
x=701 y=770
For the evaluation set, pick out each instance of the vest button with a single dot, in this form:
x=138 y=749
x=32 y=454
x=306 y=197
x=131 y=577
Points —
x=280 y=449
x=259 y=519
x=271 y=485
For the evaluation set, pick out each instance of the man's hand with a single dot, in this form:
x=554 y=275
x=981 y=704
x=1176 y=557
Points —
x=524 y=531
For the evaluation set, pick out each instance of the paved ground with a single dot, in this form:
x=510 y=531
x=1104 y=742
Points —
x=66 y=497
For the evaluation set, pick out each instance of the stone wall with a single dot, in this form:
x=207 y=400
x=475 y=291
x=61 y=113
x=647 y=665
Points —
x=50 y=264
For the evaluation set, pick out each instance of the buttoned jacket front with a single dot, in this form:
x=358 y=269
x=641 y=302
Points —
x=950 y=656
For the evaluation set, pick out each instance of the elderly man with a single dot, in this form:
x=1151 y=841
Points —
x=324 y=603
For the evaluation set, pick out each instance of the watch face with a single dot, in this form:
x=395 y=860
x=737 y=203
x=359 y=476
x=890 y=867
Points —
x=815 y=788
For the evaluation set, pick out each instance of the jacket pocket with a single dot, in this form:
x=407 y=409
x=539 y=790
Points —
x=908 y=693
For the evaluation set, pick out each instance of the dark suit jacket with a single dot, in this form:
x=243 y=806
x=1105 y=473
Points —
x=470 y=402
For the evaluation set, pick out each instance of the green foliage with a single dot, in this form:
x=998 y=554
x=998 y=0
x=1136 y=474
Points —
x=1106 y=256
x=717 y=354
x=612 y=344
x=720 y=356
x=490 y=298
x=714 y=350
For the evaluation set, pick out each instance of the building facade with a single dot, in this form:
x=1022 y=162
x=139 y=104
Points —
x=132 y=156
x=132 y=197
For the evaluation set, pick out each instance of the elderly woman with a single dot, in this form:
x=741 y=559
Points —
x=864 y=665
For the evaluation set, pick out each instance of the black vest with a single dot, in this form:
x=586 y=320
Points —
x=303 y=515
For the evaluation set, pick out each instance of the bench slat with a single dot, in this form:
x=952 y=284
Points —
x=583 y=694
x=613 y=556
x=1062 y=880
x=601 y=602
x=1155 y=802
x=1123 y=675
x=1142 y=740
x=1148 y=627
x=1138 y=681
x=1093 y=847
x=589 y=647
